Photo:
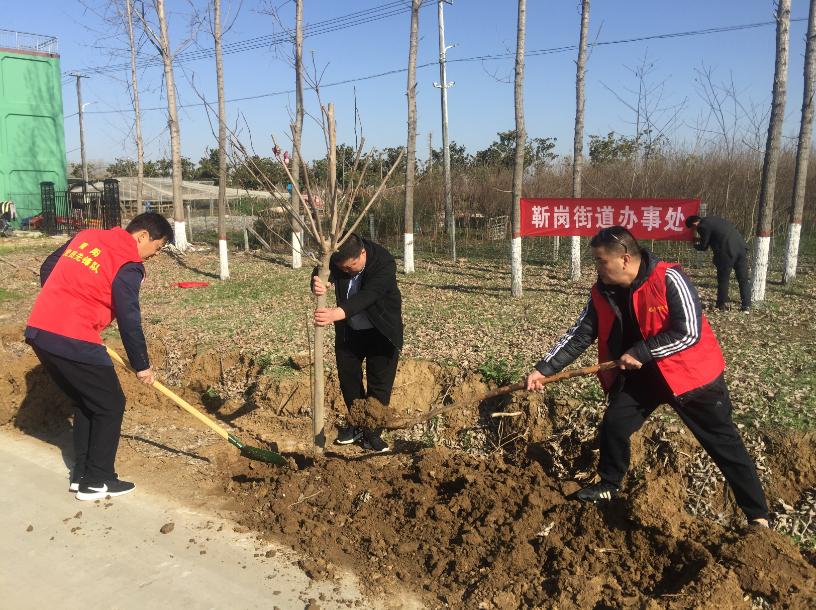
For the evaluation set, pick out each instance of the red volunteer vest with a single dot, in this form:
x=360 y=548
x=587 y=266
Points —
x=76 y=300
x=683 y=371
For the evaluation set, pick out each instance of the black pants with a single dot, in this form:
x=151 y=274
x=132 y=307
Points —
x=740 y=267
x=705 y=411
x=99 y=405
x=381 y=357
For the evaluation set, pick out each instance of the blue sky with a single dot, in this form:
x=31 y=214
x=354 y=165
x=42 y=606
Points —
x=480 y=103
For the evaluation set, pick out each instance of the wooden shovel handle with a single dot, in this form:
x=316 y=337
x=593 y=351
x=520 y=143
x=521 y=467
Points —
x=568 y=374
x=175 y=398
x=507 y=389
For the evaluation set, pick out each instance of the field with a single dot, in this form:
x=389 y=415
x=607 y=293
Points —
x=469 y=510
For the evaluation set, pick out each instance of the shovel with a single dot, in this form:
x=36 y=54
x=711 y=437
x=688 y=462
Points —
x=253 y=453
x=568 y=374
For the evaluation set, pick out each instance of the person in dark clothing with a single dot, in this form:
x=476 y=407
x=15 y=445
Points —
x=730 y=252
x=86 y=284
x=368 y=326
x=647 y=316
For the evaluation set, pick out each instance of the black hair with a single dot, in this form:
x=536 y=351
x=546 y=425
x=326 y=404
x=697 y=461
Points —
x=692 y=220
x=616 y=238
x=154 y=223
x=351 y=248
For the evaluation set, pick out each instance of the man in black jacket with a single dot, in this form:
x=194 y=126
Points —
x=368 y=325
x=730 y=252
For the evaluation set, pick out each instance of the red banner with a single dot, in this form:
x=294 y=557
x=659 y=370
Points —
x=645 y=218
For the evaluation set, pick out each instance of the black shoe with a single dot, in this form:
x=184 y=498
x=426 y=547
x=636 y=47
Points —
x=97 y=491
x=374 y=442
x=745 y=309
x=599 y=492
x=349 y=435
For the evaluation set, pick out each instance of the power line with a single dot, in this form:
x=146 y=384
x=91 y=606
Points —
x=326 y=26
x=494 y=57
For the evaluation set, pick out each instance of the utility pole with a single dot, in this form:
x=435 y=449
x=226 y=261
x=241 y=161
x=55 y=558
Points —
x=443 y=85
x=79 y=78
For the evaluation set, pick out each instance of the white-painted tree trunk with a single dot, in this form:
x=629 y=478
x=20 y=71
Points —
x=223 y=259
x=172 y=120
x=297 y=249
x=792 y=251
x=516 y=271
x=518 y=158
x=410 y=161
x=575 y=258
x=761 y=255
x=409 y=252
x=578 y=141
x=772 y=148
x=223 y=256
x=802 y=150
x=180 y=234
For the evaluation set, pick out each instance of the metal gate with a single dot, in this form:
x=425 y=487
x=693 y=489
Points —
x=74 y=211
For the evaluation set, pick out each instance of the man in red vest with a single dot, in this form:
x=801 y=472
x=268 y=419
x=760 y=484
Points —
x=646 y=314
x=86 y=283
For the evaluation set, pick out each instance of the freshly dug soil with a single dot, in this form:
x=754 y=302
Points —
x=370 y=413
x=473 y=532
x=463 y=529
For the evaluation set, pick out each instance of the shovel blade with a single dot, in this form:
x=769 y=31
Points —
x=258 y=454
x=263 y=455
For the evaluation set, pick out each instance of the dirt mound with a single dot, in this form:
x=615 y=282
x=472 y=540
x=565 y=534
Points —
x=793 y=458
x=487 y=533
x=370 y=413
x=27 y=395
x=488 y=526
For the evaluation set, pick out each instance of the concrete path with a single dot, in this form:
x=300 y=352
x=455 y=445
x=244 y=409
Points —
x=58 y=552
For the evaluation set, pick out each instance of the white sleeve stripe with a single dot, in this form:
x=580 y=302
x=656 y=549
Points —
x=691 y=319
x=569 y=334
x=692 y=330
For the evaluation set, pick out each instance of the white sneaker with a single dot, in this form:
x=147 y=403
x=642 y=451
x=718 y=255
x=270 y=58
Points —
x=110 y=488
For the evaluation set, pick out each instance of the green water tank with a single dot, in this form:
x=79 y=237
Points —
x=32 y=134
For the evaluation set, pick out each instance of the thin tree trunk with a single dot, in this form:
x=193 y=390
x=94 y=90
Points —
x=137 y=111
x=410 y=162
x=329 y=226
x=297 y=130
x=518 y=162
x=222 y=145
x=173 y=126
x=802 y=151
x=578 y=143
x=326 y=249
x=319 y=381
x=769 y=167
